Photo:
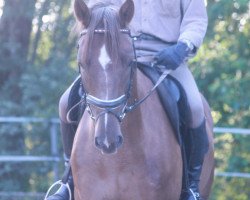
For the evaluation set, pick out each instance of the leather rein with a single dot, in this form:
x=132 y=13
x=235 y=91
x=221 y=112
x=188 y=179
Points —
x=109 y=106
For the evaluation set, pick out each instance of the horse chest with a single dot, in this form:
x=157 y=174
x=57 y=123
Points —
x=141 y=180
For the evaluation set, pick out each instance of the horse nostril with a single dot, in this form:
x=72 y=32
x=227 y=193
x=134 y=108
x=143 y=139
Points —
x=98 y=142
x=106 y=146
x=119 y=141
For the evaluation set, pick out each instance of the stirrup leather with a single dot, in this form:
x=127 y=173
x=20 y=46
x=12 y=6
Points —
x=58 y=183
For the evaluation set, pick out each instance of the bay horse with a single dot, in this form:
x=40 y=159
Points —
x=118 y=155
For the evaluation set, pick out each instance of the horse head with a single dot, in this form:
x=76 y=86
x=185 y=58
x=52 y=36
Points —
x=105 y=56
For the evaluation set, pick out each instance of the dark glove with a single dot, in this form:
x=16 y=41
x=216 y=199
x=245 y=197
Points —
x=172 y=56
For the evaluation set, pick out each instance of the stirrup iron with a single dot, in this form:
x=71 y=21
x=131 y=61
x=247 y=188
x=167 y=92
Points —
x=195 y=195
x=58 y=183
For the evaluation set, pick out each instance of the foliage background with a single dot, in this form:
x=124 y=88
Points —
x=37 y=63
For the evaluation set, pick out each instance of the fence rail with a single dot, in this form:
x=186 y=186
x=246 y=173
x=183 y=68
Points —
x=29 y=158
x=233 y=174
x=21 y=195
x=235 y=131
x=53 y=133
x=28 y=120
x=54 y=122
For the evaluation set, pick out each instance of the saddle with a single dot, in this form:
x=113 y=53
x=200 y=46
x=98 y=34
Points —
x=174 y=100
x=172 y=97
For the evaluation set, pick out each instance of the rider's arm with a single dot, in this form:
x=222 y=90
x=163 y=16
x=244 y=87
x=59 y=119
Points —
x=194 y=23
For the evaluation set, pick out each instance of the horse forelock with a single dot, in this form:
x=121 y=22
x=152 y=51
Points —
x=104 y=16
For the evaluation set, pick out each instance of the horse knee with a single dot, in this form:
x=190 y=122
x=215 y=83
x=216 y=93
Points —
x=63 y=106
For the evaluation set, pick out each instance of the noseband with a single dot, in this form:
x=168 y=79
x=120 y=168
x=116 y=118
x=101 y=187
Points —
x=114 y=103
x=110 y=106
x=107 y=106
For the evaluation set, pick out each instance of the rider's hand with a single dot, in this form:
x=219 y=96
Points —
x=172 y=56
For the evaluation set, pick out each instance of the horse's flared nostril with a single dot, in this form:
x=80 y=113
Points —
x=98 y=142
x=119 y=141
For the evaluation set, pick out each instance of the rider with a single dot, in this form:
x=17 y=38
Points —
x=171 y=31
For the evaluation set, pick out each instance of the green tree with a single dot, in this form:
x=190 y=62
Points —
x=222 y=72
x=15 y=31
x=35 y=68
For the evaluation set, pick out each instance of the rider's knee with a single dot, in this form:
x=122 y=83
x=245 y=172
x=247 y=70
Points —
x=63 y=106
x=197 y=113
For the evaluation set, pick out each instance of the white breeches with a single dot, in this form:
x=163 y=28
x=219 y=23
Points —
x=185 y=77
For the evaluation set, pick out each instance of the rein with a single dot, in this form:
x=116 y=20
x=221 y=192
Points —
x=109 y=106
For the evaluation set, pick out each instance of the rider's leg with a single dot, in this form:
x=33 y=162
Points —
x=185 y=77
x=67 y=130
x=67 y=134
x=196 y=143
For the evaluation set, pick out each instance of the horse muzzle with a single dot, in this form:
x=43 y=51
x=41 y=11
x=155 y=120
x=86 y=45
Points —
x=108 y=147
x=108 y=135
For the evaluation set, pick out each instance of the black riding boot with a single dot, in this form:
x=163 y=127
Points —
x=68 y=134
x=196 y=146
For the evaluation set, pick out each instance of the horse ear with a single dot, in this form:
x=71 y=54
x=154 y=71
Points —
x=82 y=12
x=126 y=12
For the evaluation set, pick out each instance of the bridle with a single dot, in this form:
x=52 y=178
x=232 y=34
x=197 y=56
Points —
x=110 y=106
x=106 y=106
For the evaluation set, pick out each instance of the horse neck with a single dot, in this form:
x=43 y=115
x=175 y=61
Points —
x=148 y=125
x=136 y=119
